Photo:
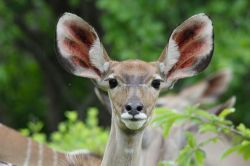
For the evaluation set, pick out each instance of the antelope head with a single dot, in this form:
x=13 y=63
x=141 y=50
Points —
x=133 y=86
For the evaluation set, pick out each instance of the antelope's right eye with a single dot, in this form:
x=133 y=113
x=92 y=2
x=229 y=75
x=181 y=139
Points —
x=112 y=83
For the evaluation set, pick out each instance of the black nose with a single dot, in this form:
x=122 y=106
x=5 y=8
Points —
x=134 y=108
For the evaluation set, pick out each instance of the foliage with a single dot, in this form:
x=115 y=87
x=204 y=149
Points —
x=192 y=154
x=72 y=134
x=33 y=85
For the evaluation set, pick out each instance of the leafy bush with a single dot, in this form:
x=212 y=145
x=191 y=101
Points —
x=73 y=134
x=192 y=154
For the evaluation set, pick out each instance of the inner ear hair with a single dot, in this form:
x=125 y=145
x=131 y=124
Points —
x=79 y=47
x=190 y=48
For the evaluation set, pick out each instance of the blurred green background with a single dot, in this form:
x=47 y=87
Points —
x=33 y=86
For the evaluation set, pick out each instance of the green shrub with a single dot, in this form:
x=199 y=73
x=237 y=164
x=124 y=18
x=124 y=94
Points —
x=192 y=154
x=73 y=134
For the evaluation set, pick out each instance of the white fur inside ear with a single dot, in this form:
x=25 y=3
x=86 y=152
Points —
x=96 y=55
x=174 y=51
x=63 y=32
x=208 y=29
x=172 y=56
x=206 y=33
x=106 y=66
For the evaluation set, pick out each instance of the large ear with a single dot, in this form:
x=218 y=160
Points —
x=80 y=48
x=189 y=50
x=194 y=92
x=217 y=85
x=209 y=89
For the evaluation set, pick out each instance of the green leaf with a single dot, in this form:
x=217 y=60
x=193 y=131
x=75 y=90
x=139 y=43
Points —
x=230 y=151
x=191 y=140
x=226 y=112
x=185 y=156
x=199 y=157
x=207 y=127
x=71 y=115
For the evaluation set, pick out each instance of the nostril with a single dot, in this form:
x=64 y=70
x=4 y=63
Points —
x=128 y=107
x=139 y=107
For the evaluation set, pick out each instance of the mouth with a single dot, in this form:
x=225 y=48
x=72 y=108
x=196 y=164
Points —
x=134 y=119
x=137 y=117
x=134 y=122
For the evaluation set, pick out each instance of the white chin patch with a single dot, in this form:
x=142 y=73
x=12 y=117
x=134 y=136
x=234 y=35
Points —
x=140 y=120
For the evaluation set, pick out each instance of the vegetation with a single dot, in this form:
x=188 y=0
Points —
x=72 y=134
x=193 y=154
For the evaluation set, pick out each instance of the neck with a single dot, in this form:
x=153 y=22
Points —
x=123 y=149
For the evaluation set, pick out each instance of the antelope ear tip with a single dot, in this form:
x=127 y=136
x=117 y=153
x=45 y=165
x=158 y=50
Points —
x=67 y=14
x=202 y=17
x=64 y=18
x=202 y=14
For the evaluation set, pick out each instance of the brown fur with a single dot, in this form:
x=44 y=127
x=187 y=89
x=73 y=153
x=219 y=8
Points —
x=14 y=147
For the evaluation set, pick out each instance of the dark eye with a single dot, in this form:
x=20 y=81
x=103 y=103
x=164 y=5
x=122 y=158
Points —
x=156 y=84
x=113 y=83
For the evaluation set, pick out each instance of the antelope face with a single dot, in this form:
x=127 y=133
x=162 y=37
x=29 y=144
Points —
x=133 y=86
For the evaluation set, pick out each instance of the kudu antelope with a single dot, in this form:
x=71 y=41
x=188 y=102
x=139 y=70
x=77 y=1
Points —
x=18 y=150
x=203 y=92
x=154 y=147
x=176 y=140
x=133 y=86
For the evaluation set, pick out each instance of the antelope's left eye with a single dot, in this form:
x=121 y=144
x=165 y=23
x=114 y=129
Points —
x=113 y=83
x=156 y=83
